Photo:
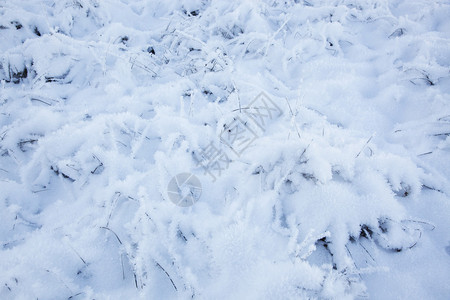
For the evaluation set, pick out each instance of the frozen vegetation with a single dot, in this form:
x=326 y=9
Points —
x=315 y=136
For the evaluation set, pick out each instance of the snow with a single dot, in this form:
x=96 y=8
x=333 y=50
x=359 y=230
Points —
x=337 y=186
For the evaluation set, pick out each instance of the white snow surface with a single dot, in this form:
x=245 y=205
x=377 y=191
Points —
x=343 y=195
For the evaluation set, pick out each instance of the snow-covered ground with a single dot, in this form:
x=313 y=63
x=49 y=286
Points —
x=314 y=137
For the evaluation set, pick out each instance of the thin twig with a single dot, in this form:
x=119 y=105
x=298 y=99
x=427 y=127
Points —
x=432 y=188
x=113 y=206
x=354 y=263
x=78 y=254
x=35 y=99
x=420 y=222
x=426 y=153
x=240 y=108
x=135 y=280
x=175 y=287
x=123 y=269
x=73 y=296
x=367 y=251
x=304 y=150
x=113 y=233
x=368 y=141
x=239 y=98
x=293 y=118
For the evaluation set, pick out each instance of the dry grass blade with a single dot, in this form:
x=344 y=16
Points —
x=159 y=266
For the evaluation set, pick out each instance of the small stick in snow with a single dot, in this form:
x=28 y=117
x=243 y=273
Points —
x=113 y=206
x=293 y=118
x=367 y=251
x=135 y=280
x=239 y=98
x=426 y=153
x=432 y=188
x=3 y=134
x=354 y=263
x=73 y=296
x=39 y=100
x=175 y=287
x=368 y=141
x=113 y=233
x=78 y=254
x=304 y=150
x=420 y=222
x=123 y=269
